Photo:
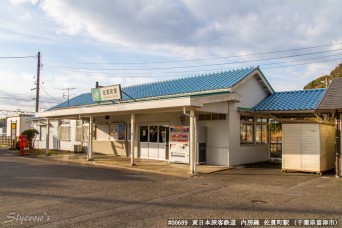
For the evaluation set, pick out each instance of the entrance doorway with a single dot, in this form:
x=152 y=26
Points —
x=154 y=141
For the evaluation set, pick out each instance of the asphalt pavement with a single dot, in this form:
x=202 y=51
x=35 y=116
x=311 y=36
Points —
x=37 y=191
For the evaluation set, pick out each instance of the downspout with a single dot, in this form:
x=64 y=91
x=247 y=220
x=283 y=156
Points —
x=338 y=143
x=194 y=165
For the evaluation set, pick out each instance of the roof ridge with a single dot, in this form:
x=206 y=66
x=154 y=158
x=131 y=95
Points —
x=193 y=76
x=209 y=81
x=300 y=90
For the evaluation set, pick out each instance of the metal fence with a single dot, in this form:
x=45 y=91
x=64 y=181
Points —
x=276 y=146
x=7 y=141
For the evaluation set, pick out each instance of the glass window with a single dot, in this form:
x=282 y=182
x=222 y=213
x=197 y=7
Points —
x=118 y=131
x=261 y=132
x=154 y=134
x=63 y=133
x=78 y=133
x=246 y=133
x=85 y=133
x=163 y=134
x=213 y=116
x=143 y=133
x=42 y=134
x=201 y=117
x=246 y=130
x=222 y=116
x=262 y=120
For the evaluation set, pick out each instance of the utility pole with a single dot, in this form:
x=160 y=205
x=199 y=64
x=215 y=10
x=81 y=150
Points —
x=326 y=82
x=38 y=82
x=68 y=93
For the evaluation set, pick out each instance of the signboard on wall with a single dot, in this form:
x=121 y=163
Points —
x=106 y=93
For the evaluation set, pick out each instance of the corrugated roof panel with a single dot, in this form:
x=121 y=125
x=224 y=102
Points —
x=291 y=101
x=206 y=82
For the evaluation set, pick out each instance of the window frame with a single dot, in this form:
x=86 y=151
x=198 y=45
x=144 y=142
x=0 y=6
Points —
x=61 y=133
x=260 y=130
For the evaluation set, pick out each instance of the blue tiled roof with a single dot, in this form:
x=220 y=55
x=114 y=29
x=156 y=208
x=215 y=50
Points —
x=207 y=82
x=291 y=101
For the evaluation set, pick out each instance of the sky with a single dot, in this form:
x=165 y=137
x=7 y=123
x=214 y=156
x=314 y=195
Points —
x=140 y=41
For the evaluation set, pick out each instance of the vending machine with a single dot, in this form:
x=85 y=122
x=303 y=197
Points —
x=179 y=144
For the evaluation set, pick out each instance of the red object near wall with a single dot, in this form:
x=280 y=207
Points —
x=22 y=143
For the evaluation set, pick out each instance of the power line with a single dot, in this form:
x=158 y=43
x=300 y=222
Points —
x=49 y=94
x=94 y=74
x=302 y=63
x=201 y=59
x=22 y=99
x=16 y=57
x=192 y=66
x=17 y=99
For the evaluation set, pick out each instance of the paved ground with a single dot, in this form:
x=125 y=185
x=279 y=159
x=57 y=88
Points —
x=142 y=165
x=59 y=194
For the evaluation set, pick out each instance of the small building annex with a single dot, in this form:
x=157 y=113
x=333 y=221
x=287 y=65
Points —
x=308 y=138
x=161 y=129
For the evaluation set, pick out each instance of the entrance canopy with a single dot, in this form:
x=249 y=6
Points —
x=165 y=105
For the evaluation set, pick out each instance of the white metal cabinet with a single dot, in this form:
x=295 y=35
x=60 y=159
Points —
x=308 y=147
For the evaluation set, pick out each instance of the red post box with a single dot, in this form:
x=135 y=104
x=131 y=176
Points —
x=22 y=143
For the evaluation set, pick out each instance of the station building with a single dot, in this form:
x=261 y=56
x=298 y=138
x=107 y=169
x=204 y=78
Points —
x=218 y=119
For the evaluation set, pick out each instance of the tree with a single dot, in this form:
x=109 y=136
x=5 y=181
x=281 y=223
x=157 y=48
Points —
x=320 y=82
x=31 y=137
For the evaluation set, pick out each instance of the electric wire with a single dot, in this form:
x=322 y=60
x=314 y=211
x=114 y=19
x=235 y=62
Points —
x=17 y=57
x=22 y=99
x=201 y=59
x=192 y=66
x=49 y=94
x=175 y=73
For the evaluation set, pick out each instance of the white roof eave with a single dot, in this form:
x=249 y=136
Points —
x=140 y=106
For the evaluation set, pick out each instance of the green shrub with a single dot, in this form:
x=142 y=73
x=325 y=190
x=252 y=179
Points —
x=31 y=136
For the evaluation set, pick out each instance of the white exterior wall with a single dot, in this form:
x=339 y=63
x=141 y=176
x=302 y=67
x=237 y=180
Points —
x=22 y=124
x=54 y=143
x=217 y=148
x=217 y=134
x=252 y=93
x=69 y=145
x=40 y=142
x=111 y=147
